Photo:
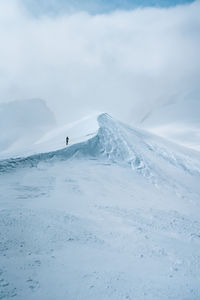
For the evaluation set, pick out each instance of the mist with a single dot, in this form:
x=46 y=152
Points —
x=122 y=62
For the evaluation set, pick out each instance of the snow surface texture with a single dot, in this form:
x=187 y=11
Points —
x=115 y=216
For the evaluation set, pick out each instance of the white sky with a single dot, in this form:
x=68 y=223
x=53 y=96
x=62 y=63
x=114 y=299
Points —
x=123 y=62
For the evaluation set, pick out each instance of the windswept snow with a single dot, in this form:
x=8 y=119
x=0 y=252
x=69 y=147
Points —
x=28 y=127
x=118 y=143
x=114 y=216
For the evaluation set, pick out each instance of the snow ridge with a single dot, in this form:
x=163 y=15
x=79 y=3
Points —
x=118 y=143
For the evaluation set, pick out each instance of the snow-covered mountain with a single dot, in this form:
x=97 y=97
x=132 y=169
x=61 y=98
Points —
x=115 y=215
x=22 y=123
x=118 y=143
x=177 y=120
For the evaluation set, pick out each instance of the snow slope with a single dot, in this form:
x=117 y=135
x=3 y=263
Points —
x=115 y=216
x=177 y=120
x=37 y=135
x=118 y=143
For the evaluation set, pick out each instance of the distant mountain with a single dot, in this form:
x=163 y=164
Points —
x=22 y=122
x=176 y=120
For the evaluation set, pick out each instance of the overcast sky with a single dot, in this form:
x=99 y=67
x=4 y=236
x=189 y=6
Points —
x=85 y=58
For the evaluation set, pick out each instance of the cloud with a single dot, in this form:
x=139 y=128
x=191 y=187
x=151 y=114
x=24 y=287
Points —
x=55 y=7
x=125 y=62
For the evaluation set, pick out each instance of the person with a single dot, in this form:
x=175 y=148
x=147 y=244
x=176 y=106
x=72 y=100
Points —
x=67 y=140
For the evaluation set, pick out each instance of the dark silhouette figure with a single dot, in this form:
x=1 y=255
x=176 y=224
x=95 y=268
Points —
x=67 y=140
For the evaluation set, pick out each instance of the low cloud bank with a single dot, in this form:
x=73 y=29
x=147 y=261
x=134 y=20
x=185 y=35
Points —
x=125 y=63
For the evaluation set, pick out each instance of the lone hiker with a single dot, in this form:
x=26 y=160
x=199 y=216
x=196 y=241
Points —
x=67 y=140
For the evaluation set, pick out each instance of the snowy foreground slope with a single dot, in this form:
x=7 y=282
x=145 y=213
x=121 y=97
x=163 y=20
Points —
x=113 y=217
